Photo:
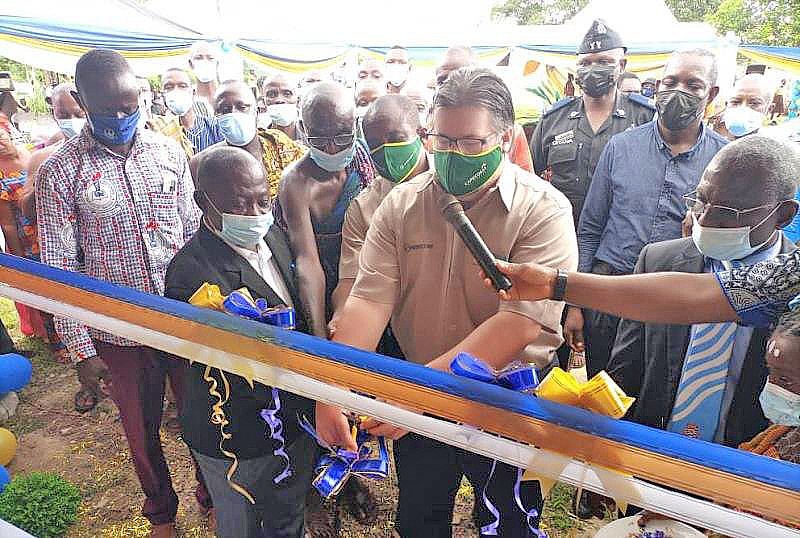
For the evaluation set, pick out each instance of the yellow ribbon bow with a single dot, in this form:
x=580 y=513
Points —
x=600 y=394
x=207 y=296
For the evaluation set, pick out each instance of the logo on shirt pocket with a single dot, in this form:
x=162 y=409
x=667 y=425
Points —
x=419 y=246
x=102 y=197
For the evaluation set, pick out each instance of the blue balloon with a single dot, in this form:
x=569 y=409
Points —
x=4 y=478
x=15 y=372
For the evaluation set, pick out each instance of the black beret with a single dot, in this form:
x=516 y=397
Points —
x=600 y=37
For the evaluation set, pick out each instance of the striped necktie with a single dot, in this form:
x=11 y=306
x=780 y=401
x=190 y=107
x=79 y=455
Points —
x=703 y=378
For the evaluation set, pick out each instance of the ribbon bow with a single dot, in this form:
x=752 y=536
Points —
x=241 y=303
x=600 y=394
x=517 y=376
x=334 y=468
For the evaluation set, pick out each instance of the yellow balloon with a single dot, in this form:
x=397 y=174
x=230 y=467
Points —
x=8 y=446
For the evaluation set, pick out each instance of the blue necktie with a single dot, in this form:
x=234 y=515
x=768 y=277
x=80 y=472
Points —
x=703 y=378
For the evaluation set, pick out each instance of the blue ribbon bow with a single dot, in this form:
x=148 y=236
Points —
x=517 y=377
x=334 y=468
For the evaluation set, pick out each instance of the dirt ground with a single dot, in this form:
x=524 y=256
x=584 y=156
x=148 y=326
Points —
x=90 y=450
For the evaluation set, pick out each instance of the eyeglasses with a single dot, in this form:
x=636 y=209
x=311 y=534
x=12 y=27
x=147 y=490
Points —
x=716 y=213
x=341 y=140
x=467 y=146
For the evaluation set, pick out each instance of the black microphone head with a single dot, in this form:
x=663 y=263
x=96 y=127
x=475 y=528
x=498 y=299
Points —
x=450 y=205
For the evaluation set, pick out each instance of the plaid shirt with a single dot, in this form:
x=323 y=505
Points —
x=127 y=216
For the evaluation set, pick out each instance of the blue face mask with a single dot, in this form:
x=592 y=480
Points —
x=112 y=130
x=779 y=405
x=244 y=231
x=648 y=91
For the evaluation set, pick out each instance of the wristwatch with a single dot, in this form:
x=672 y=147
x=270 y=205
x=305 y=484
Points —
x=560 y=286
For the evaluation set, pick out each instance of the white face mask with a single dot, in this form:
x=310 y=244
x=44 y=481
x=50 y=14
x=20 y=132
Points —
x=72 y=126
x=726 y=244
x=283 y=114
x=178 y=101
x=238 y=128
x=779 y=405
x=263 y=121
x=205 y=70
x=742 y=120
x=396 y=74
x=244 y=231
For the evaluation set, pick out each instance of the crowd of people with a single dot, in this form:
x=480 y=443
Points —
x=327 y=198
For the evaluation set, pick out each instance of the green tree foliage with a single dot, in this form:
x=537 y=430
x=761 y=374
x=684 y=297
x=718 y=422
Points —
x=692 y=10
x=538 y=11
x=41 y=503
x=765 y=22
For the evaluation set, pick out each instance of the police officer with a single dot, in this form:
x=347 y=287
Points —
x=570 y=137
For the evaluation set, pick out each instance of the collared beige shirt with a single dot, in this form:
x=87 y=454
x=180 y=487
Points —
x=357 y=219
x=413 y=260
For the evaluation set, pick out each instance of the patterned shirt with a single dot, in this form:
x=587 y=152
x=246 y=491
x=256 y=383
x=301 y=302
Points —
x=170 y=126
x=279 y=152
x=12 y=189
x=128 y=216
x=760 y=293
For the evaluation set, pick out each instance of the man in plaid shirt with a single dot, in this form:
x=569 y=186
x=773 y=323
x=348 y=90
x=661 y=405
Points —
x=115 y=202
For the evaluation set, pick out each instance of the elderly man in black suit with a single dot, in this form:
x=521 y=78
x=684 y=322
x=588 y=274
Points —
x=236 y=247
x=704 y=380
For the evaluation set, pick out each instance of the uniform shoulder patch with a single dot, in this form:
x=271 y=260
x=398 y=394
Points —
x=558 y=105
x=641 y=100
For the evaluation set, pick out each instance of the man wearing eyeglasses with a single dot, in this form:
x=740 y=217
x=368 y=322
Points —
x=704 y=380
x=314 y=195
x=415 y=272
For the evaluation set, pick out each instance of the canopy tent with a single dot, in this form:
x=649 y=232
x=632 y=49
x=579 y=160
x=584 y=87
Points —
x=783 y=58
x=34 y=36
x=649 y=45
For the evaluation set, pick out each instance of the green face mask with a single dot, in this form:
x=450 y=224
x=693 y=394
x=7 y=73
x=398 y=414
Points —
x=461 y=174
x=395 y=161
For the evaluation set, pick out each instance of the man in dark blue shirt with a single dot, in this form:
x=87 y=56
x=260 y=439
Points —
x=635 y=196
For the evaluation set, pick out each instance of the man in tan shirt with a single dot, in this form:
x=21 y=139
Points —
x=416 y=271
x=391 y=130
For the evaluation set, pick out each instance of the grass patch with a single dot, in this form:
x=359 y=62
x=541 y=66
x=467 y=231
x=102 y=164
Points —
x=557 y=512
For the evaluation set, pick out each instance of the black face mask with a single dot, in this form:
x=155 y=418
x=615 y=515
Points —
x=678 y=110
x=597 y=80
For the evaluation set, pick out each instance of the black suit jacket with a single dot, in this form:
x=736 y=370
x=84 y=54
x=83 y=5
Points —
x=647 y=358
x=206 y=258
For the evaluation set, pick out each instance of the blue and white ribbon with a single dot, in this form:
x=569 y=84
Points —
x=276 y=434
x=521 y=378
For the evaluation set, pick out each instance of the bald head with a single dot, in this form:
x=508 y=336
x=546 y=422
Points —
x=455 y=58
x=64 y=105
x=233 y=180
x=328 y=110
x=753 y=91
x=391 y=118
x=755 y=170
x=234 y=96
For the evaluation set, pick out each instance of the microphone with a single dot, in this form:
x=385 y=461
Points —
x=453 y=211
